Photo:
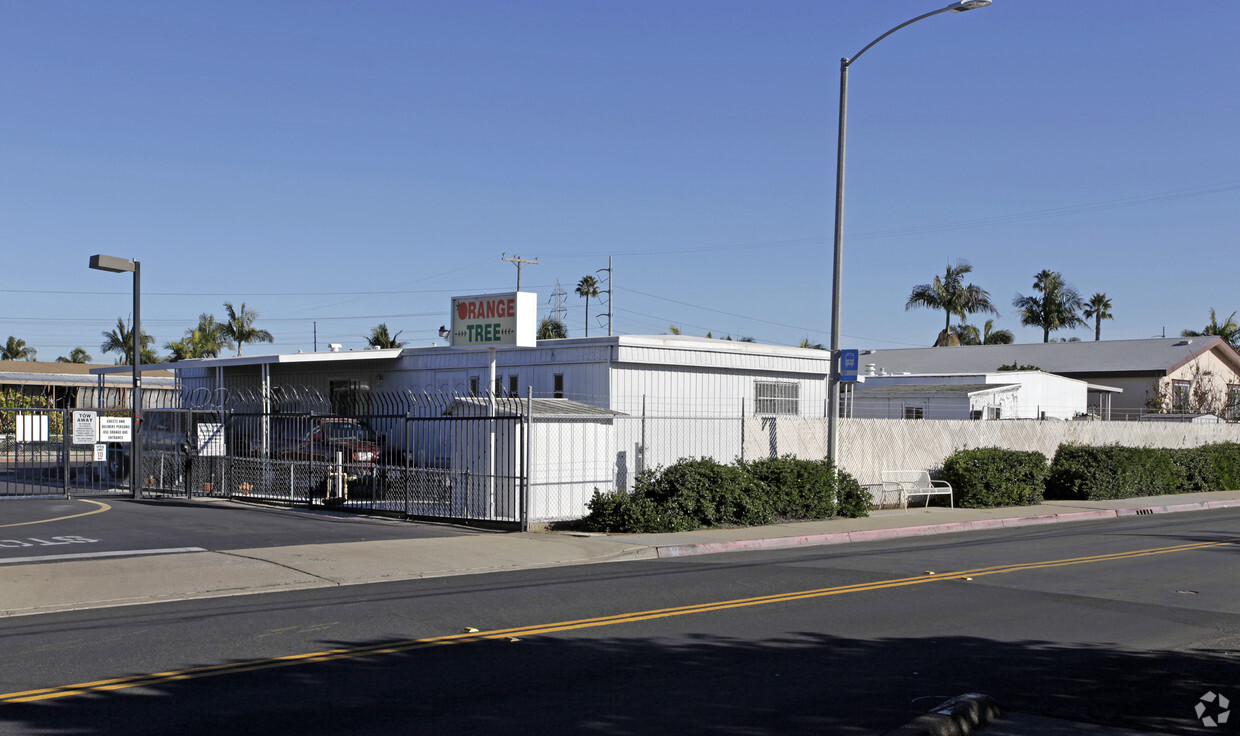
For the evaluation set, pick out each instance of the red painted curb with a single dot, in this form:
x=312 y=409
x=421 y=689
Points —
x=872 y=535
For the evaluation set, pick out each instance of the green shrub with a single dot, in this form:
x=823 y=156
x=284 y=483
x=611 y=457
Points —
x=854 y=501
x=711 y=493
x=797 y=489
x=990 y=476
x=701 y=492
x=1098 y=473
x=1224 y=459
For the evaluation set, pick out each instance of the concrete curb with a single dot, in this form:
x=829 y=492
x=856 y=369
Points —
x=818 y=540
x=960 y=716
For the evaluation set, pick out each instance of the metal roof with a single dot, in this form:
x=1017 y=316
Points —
x=1155 y=356
x=934 y=389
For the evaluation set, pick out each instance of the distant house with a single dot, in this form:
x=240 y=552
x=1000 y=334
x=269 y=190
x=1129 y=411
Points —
x=79 y=385
x=979 y=396
x=1185 y=374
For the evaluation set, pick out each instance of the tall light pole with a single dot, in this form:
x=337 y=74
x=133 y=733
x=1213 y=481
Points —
x=837 y=272
x=121 y=265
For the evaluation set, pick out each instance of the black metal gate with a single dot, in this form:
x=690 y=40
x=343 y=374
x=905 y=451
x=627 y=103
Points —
x=38 y=458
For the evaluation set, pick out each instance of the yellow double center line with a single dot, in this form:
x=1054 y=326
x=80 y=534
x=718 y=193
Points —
x=122 y=683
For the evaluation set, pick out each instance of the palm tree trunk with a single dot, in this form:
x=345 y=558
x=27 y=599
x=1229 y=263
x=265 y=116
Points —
x=587 y=315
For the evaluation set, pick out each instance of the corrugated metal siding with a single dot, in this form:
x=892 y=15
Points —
x=720 y=392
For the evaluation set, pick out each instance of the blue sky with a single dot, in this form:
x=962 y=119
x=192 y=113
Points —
x=336 y=165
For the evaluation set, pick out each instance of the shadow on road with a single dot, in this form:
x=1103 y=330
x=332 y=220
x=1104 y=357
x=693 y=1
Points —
x=799 y=684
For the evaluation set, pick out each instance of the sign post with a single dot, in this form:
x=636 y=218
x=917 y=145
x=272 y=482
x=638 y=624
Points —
x=491 y=321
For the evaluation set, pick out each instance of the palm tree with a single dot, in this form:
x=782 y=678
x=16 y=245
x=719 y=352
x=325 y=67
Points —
x=379 y=337
x=16 y=349
x=77 y=355
x=952 y=295
x=552 y=329
x=1229 y=330
x=240 y=327
x=969 y=334
x=587 y=287
x=1098 y=308
x=1056 y=309
x=120 y=340
x=204 y=341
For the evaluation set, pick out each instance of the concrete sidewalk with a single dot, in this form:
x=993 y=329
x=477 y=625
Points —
x=96 y=583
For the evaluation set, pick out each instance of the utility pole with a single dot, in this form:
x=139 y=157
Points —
x=519 y=262
x=609 y=292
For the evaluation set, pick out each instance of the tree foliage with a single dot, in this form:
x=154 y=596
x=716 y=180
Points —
x=969 y=334
x=1229 y=330
x=240 y=329
x=120 y=340
x=952 y=295
x=16 y=349
x=587 y=287
x=77 y=355
x=552 y=329
x=204 y=341
x=379 y=337
x=1055 y=309
x=1098 y=308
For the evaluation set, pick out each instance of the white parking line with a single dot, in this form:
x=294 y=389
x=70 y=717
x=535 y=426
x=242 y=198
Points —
x=88 y=555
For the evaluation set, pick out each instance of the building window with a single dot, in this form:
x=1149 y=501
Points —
x=776 y=397
x=558 y=386
x=1180 y=393
x=514 y=388
x=993 y=412
x=1233 y=402
x=914 y=412
x=975 y=414
x=473 y=385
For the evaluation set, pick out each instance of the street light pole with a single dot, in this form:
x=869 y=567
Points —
x=121 y=265
x=837 y=271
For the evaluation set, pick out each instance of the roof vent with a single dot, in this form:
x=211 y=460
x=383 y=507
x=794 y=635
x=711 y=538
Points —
x=334 y=346
x=1182 y=343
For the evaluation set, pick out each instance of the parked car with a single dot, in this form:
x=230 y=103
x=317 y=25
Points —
x=163 y=430
x=320 y=438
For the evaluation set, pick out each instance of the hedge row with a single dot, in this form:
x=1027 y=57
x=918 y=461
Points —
x=989 y=477
x=1096 y=473
x=701 y=492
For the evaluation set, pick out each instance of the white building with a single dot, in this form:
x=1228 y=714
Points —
x=985 y=396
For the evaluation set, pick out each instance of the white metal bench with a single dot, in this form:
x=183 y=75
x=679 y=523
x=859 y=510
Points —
x=916 y=483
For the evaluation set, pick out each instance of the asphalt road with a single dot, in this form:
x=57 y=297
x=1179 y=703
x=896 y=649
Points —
x=1125 y=622
x=34 y=530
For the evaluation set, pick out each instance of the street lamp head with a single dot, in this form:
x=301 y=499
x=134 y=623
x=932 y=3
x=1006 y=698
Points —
x=963 y=5
x=111 y=263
